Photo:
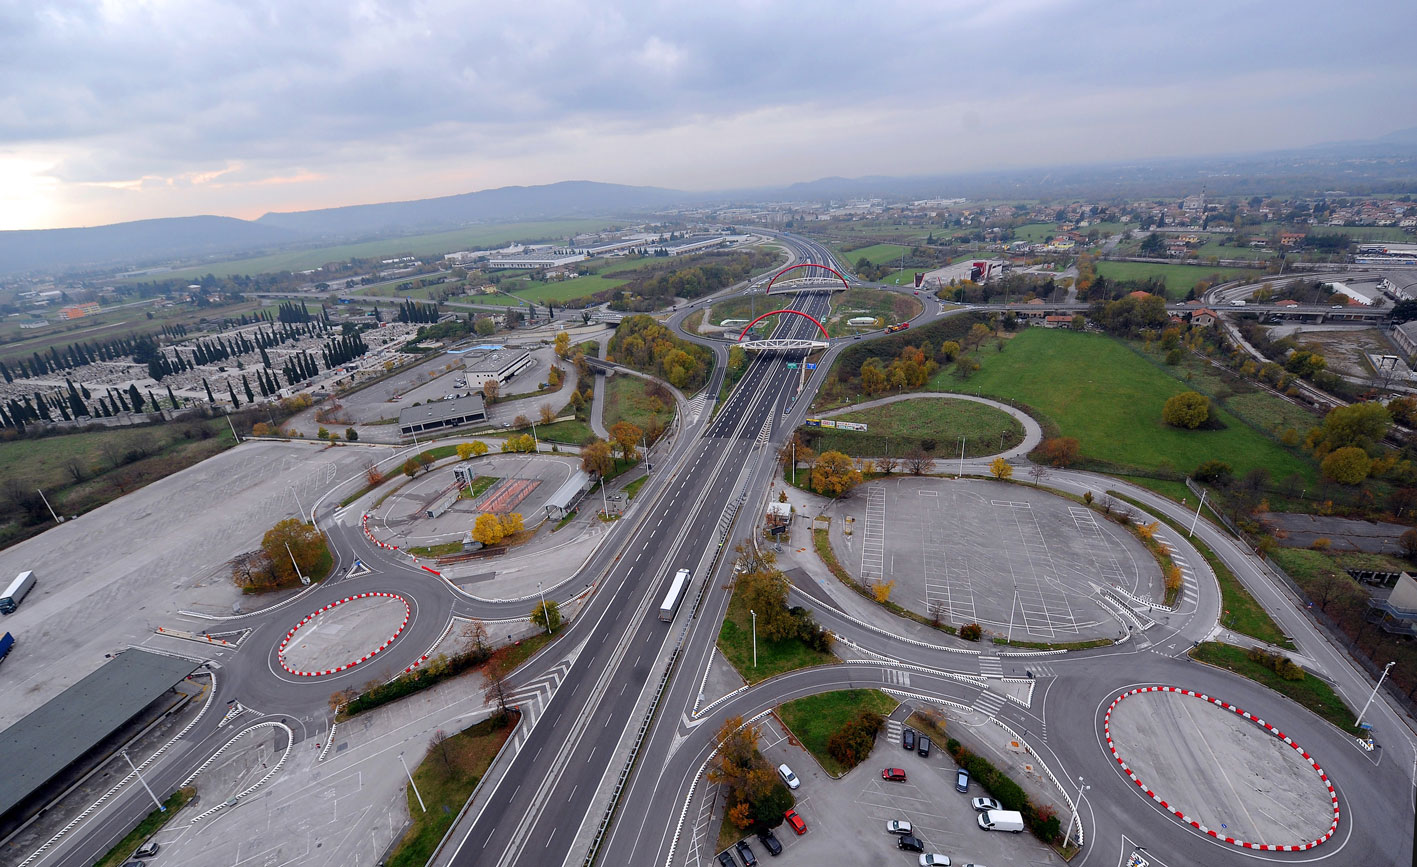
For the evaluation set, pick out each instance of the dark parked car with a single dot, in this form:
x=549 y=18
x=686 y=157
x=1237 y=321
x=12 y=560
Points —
x=924 y=746
x=961 y=780
x=726 y=859
x=746 y=853
x=907 y=739
x=769 y=841
x=910 y=843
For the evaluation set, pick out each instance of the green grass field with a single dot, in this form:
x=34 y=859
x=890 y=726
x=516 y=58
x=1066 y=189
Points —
x=735 y=639
x=1035 y=233
x=627 y=399
x=1180 y=279
x=1094 y=388
x=434 y=244
x=1311 y=693
x=876 y=254
x=565 y=290
x=1367 y=233
x=572 y=431
x=1214 y=248
x=902 y=426
x=816 y=718
x=869 y=302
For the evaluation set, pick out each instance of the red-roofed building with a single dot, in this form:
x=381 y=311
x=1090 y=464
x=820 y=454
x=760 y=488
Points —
x=1203 y=318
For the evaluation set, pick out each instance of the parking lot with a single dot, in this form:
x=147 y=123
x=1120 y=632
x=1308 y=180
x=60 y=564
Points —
x=846 y=818
x=1018 y=560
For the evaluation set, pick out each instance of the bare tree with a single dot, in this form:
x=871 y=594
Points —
x=438 y=745
x=919 y=462
x=495 y=671
x=937 y=611
x=76 y=469
x=887 y=464
x=474 y=635
x=1038 y=472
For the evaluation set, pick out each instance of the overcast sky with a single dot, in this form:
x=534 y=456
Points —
x=115 y=111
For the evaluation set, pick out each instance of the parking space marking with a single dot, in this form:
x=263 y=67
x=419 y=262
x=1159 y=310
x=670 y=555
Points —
x=873 y=538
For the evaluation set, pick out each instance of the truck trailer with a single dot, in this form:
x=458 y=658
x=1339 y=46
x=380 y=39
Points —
x=16 y=592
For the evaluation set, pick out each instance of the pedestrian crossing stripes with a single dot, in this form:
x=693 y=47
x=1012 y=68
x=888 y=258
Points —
x=893 y=730
x=533 y=696
x=990 y=666
x=695 y=408
x=989 y=703
x=899 y=678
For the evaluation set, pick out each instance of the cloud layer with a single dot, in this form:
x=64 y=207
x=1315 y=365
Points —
x=123 y=110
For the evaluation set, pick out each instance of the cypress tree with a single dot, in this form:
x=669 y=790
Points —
x=207 y=386
x=172 y=397
x=231 y=389
x=250 y=398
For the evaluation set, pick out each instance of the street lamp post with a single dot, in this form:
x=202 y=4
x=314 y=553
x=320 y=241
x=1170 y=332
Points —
x=412 y=783
x=961 y=457
x=1077 y=813
x=546 y=615
x=299 y=508
x=303 y=579
x=1197 y=518
x=755 y=636
x=1374 y=694
x=57 y=519
x=160 y=807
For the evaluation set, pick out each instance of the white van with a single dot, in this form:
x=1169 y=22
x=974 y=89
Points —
x=1001 y=820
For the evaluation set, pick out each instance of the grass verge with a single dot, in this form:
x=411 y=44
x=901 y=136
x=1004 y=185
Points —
x=442 y=550
x=1310 y=692
x=814 y=719
x=146 y=828
x=446 y=778
x=735 y=639
x=634 y=487
x=1242 y=613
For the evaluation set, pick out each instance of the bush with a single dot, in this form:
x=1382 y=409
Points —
x=1215 y=473
x=1189 y=410
x=852 y=743
x=1276 y=662
x=971 y=631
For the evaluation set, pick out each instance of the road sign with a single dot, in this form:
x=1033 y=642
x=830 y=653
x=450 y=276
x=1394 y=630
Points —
x=791 y=365
x=811 y=366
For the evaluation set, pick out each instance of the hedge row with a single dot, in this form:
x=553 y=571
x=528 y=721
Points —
x=1041 y=821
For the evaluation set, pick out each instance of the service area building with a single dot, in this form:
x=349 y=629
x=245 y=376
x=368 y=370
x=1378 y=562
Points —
x=497 y=364
x=458 y=412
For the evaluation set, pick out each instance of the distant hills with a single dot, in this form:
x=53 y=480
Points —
x=504 y=204
x=1383 y=165
x=132 y=243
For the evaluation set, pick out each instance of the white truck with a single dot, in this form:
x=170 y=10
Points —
x=1001 y=820
x=16 y=592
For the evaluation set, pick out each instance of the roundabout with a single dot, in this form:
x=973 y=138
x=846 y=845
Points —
x=1230 y=775
x=343 y=634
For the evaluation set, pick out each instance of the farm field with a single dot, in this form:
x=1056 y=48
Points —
x=1096 y=389
x=417 y=245
x=876 y=254
x=1180 y=279
x=889 y=307
x=564 y=290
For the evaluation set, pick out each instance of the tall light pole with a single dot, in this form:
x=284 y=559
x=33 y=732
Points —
x=57 y=519
x=1077 y=813
x=961 y=457
x=303 y=579
x=755 y=636
x=546 y=615
x=412 y=783
x=1374 y=694
x=1197 y=518
x=299 y=508
x=160 y=807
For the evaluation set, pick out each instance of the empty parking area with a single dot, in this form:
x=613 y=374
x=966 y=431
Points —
x=1015 y=559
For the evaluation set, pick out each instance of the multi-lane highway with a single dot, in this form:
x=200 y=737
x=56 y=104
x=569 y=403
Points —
x=545 y=802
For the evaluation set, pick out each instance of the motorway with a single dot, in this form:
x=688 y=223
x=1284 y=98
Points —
x=546 y=802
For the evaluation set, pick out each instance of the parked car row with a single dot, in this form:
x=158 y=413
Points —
x=765 y=836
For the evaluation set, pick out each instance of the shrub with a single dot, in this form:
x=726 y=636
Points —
x=1214 y=472
x=971 y=631
x=1189 y=409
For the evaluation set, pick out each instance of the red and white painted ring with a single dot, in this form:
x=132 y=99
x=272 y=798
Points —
x=280 y=651
x=1171 y=808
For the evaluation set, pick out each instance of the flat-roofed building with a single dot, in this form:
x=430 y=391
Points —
x=442 y=414
x=533 y=259
x=499 y=364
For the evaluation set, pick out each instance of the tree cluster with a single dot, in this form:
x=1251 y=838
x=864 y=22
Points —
x=414 y=311
x=646 y=345
x=754 y=796
x=852 y=743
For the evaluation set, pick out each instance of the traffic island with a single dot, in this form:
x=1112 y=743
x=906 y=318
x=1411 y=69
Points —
x=1220 y=769
x=341 y=635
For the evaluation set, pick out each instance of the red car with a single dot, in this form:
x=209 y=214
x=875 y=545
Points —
x=796 y=822
x=895 y=775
